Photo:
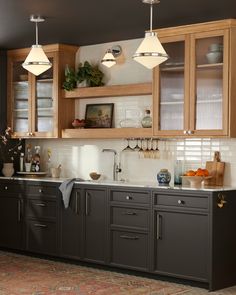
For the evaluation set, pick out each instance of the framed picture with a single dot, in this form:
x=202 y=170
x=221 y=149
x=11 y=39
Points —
x=99 y=115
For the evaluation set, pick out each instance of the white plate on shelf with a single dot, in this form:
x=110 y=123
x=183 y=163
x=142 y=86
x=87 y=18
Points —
x=177 y=96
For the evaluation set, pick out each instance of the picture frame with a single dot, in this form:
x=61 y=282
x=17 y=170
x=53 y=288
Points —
x=99 y=115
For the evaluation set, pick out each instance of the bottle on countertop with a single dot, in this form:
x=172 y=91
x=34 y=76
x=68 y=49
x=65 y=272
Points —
x=48 y=163
x=36 y=160
x=147 y=120
x=28 y=155
x=22 y=162
x=178 y=172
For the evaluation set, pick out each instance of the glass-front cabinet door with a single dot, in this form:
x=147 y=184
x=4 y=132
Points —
x=20 y=99
x=44 y=104
x=32 y=100
x=209 y=83
x=170 y=89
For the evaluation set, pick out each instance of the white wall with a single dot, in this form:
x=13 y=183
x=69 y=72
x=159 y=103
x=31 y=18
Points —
x=79 y=157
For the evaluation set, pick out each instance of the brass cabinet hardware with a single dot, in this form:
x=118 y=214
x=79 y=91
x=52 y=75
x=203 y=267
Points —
x=221 y=200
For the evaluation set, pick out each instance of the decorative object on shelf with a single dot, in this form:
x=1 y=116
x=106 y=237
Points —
x=178 y=172
x=215 y=54
x=36 y=62
x=94 y=175
x=163 y=177
x=9 y=149
x=150 y=52
x=56 y=171
x=99 y=115
x=70 y=79
x=8 y=169
x=89 y=73
x=77 y=123
x=196 y=181
x=147 y=120
x=109 y=58
x=23 y=77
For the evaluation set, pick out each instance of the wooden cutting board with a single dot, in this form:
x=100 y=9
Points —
x=216 y=169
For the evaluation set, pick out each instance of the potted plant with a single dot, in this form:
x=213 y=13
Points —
x=70 y=79
x=91 y=74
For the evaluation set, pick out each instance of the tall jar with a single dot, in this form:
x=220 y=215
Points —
x=8 y=169
x=163 y=177
x=147 y=120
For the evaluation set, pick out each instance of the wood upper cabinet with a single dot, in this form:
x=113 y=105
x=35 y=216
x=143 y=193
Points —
x=192 y=90
x=35 y=106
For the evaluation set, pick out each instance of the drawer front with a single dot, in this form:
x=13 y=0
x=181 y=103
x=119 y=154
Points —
x=181 y=201
x=41 y=208
x=40 y=191
x=129 y=249
x=130 y=197
x=129 y=217
x=9 y=188
x=41 y=237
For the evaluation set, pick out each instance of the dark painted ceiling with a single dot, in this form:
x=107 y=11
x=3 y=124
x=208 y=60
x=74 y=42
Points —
x=85 y=22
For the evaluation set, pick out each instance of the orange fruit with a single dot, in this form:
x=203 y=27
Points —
x=190 y=173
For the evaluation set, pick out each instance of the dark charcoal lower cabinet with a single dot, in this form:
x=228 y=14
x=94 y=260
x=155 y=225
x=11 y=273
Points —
x=84 y=226
x=41 y=218
x=129 y=228
x=188 y=234
x=11 y=216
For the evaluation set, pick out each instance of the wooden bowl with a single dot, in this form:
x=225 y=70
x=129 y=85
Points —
x=94 y=175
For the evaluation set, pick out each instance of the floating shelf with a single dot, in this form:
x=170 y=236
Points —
x=108 y=91
x=96 y=133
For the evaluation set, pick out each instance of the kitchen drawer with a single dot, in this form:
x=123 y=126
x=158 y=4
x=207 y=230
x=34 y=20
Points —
x=130 y=197
x=129 y=249
x=41 y=208
x=129 y=217
x=9 y=188
x=41 y=236
x=186 y=201
x=41 y=190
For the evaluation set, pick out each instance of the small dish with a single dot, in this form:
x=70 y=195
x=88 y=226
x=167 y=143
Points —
x=78 y=124
x=94 y=175
x=195 y=181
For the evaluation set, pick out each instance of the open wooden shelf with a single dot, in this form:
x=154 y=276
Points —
x=108 y=91
x=108 y=133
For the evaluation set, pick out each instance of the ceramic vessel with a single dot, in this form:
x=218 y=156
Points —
x=163 y=177
x=215 y=53
x=8 y=169
x=147 y=120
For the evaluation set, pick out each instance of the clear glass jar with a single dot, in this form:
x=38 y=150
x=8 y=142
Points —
x=147 y=120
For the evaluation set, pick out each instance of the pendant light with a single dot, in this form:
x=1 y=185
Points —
x=36 y=62
x=150 y=52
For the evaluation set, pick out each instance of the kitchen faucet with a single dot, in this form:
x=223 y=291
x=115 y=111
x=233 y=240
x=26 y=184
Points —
x=116 y=167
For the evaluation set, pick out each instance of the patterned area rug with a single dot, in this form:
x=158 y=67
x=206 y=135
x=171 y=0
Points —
x=21 y=274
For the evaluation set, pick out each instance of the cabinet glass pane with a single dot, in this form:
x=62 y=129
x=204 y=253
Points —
x=209 y=83
x=44 y=102
x=172 y=88
x=20 y=98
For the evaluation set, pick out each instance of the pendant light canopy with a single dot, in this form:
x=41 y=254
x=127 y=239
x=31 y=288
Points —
x=150 y=52
x=36 y=62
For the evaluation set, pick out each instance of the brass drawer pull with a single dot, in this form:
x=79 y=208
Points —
x=129 y=237
x=129 y=213
x=221 y=201
x=40 y=204
x=6 y=188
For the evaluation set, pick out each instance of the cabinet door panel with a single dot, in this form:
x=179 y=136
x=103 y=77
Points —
x=181 y=244
x=95 y=224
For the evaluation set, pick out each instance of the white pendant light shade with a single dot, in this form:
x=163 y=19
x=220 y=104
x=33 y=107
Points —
x=36 y=62
x=108 y=59
x=150 y=52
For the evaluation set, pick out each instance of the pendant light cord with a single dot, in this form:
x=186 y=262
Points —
x=36 y=32
x=151 y=11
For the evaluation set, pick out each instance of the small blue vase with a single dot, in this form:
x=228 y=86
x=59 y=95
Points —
x=163 y=177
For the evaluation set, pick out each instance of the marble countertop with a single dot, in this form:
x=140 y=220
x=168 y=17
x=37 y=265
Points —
x=140 y=184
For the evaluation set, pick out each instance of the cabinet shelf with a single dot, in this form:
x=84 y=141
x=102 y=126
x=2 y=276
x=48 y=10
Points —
x=210 y=66
x=108 y=91
x=107 y=133
x=172 y=69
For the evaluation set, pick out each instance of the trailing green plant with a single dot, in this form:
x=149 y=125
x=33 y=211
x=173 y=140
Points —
x=70 y=79
x=90 y=73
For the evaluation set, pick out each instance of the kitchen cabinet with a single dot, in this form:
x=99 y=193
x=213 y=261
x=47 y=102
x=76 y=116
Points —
x=192 y=93
x=41 y=218
x=11 y=216
x=35 y=105
x=3 y=90
x=138 y=89
x=84 y=223
x=129 y=228
x=181 y=235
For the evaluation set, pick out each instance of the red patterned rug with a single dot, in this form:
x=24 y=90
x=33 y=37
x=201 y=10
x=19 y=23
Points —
x=21 y=274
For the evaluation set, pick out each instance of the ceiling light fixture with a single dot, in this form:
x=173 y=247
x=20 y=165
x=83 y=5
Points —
x=36 y=62
x=109 y=58
x=150 y=52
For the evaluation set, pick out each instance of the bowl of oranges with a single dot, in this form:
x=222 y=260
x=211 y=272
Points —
x=196 y=177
